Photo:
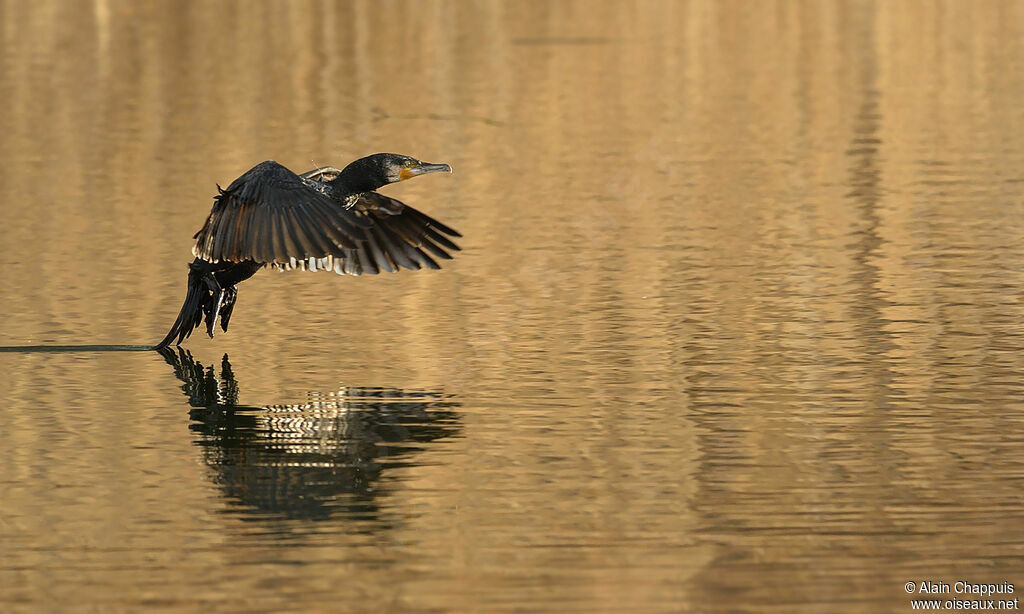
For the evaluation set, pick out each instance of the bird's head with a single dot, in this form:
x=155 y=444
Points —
x=372 y=172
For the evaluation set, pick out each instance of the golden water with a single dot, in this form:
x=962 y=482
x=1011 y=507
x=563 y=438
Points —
x=737 y=325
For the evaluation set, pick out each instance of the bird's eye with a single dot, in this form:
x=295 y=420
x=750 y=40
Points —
x=408 y=163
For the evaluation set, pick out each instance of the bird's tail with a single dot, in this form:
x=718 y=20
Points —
x=191 y=314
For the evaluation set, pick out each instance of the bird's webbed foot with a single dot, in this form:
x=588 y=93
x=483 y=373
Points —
x=227 y=306
x=212 y=306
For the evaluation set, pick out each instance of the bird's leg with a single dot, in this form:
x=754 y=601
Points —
x=212 y=322
x=227 y=306
x=213 y=308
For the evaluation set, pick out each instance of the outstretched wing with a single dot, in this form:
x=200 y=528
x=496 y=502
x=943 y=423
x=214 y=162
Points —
x=271 y=215
x=390 y=235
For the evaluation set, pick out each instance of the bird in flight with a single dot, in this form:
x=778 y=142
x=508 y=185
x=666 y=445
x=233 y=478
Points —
x=325 y=219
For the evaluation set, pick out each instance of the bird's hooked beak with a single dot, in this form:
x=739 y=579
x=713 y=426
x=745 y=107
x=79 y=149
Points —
x=422 y=169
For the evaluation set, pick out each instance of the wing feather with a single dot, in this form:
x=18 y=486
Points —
x=302 y=235
x=435 y=250
x=377 y=254
x=395 y=248
x=260 y=238
x=220 y=232
x=278 y=236
x=271 y=215
x=367 y=264
x=440 y=239
x=292 y=247
x=245 y=235
x=426 y=260
x=395 y=236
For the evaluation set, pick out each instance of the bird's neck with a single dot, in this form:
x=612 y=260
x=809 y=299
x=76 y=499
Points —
x=356 y=178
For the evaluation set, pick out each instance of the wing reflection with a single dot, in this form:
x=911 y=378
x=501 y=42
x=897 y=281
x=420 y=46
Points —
x=312 y=459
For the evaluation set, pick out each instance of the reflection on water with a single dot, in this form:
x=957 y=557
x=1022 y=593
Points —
x=312 y=459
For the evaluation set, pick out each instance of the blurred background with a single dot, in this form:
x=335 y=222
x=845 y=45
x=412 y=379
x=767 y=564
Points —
x=736 y=325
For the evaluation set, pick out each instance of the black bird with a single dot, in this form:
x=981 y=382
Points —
x=324 y=219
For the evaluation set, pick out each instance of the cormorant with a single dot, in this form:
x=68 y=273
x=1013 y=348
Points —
x=324 y=219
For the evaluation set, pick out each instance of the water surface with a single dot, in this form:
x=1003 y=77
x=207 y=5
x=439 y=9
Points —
x=736 y=326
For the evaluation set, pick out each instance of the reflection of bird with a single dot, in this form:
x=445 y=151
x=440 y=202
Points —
x=309 y=459
x=324 y=219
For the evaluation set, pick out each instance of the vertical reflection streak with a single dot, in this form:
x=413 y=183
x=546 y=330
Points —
x=866 y=193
